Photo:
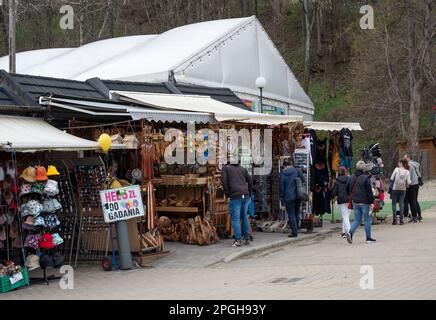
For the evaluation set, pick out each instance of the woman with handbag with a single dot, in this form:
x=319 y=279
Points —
x=361 y=199
x=340 y=193
x=400 y=180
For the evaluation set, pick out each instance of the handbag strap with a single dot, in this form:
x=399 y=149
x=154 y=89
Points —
x=354 y=185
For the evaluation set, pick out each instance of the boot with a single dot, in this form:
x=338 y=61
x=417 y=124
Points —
x=394 y=222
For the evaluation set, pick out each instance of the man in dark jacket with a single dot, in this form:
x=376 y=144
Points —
x=360 y=189
x=340 y=192
x=238 y=186
x=288 y=194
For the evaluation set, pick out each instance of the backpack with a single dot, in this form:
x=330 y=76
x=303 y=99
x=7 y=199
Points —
x=401 y=180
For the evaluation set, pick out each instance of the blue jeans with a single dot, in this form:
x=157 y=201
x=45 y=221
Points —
x=291 y=209
x=238 y=212
x=361 y=210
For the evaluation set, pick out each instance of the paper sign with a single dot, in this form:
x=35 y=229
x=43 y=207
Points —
x=121 y=204
x=15 y=278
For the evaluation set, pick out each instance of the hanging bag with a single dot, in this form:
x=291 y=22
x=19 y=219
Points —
x=301 y=193
x=350 y=201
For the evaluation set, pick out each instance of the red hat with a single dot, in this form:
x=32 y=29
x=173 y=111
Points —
x=46 y=241
x=15 y=188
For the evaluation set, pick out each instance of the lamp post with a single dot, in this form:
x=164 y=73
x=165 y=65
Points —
x=261 y=83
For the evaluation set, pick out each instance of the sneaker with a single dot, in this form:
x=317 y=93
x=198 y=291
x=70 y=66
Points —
x=246 y=242
x=292 y=236
x=370 y=240
x=251 y=238
x=420 y=219
x=401 y=222
x=237 y=243
x=394 y=222
x=415 y=220
x=343 y=236
x=349 y=237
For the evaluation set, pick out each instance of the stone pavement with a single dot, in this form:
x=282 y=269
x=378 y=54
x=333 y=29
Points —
x=324 y=267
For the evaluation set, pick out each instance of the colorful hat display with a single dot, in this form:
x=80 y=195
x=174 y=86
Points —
x=52 y=171
x=32 y=262
x=46 y=241
x=51 y=188
x=40 y=222
x=51 y=221
x=57 y=240
x=38 y=188
x=32 y=241
x=51 y=205
x=29 y=174
x=25 y=189
x=41 y=174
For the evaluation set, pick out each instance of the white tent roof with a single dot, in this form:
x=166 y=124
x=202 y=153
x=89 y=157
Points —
x=201 y=104
x=229 y=53
x=331 y=126
x=33 y=134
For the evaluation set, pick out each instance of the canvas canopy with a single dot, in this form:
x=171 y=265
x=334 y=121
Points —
x=25 y=134
x=201 y=104
x=331 y=126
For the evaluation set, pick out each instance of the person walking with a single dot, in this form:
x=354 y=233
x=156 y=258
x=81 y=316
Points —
x=413 y=190
x=340 y=193
x=288 y=194
x=360 y=191
x=400 y=180
x=238 y=187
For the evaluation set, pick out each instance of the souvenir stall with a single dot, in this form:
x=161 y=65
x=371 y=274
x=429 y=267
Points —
x=34 y=199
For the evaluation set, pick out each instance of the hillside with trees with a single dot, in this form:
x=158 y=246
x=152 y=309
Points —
x=382 y=77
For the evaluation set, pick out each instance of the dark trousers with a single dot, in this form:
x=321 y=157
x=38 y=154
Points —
x=411 y=201
x=293 y=216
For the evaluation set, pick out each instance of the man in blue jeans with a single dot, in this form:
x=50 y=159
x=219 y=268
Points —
x=238 y=186
x=288 y=194
x=360 y=189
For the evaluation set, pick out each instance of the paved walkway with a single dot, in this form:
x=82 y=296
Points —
x=403 y=262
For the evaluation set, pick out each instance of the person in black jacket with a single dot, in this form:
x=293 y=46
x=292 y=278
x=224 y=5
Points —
x=288 y=194
x=360 y=189
x=340 y=192
x=238 y=186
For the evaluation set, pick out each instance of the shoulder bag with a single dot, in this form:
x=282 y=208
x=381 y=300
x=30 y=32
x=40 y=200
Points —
x=350 y=201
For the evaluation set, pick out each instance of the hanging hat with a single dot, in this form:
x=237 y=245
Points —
x=32 y=241
x=29 y=174
x=10 y=215
x=41 y=173
x=52 y=171
x=25 y=189
x=51 y=188
x=40 y=222
x=10 y=170
x=51 y=221
x=15 y=188
x=51 y=205
x=32 y=262
x=3 y=219
x=29 y=220
x=35 y=207
x=46 y=241
x=8 y=196
x=38 y=188
x=2 y=173
x=24 y=210
x=13 y=205
x=57 y=240
x=46 y=261
x=2 y=233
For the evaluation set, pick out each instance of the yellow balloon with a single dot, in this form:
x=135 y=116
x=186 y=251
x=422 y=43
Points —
x=105 y=142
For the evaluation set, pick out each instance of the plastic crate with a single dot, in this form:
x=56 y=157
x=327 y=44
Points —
x=5 y=283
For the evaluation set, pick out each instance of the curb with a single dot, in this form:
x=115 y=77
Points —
x=268 y=246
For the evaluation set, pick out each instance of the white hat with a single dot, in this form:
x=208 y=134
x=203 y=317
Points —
x=32 y=262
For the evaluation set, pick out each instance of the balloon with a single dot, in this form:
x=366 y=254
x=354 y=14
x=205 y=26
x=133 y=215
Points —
x=105 y=142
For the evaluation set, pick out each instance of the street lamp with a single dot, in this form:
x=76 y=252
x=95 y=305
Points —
x=261 y=83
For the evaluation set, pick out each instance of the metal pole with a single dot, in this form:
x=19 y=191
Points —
x=124 y=245
x=261 y=101
x=12 y=48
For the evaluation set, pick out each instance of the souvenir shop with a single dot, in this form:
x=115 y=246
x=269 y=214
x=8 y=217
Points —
x=37 y=205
